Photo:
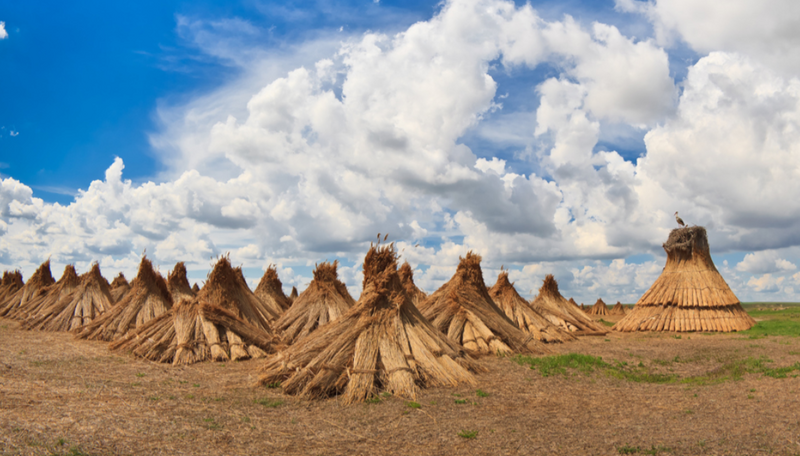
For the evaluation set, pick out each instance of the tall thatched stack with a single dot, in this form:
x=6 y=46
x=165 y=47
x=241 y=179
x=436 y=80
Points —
x=382 y=343
x=407 y=279
x=90 y=299
x=193 y=331
x=52 y=294
x=11 y=283
x=292 y=295
x=561 y=313
x=270 y=291
x=119 y=287
x=572 y=301
x=463 y=309
x=178 y=285
x=33 y=288
x=522 y=314
x=618 y=309
x=147 y=299
x=690 y=294
x=599 y=308
x=195 y=288
x=325 y=300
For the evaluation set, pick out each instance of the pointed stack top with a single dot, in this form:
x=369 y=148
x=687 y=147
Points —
x=178 y=283
x=522 y=314
x=34 y=287
x=463 y=309
x=12 y=282
x=270 y=290
x=599 y=308
x=381 y=343
x=561 y=313
x=51 y=294
x=119 y=287
x=119 y=281
x=407 y=279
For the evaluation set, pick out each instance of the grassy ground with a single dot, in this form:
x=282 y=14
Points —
x=639 y=393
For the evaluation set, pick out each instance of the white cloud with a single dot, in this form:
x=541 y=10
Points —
x=765 y=261
x=3 y=33
x=766 y=283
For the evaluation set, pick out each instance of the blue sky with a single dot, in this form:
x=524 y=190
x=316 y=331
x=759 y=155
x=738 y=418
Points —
x=599 y=119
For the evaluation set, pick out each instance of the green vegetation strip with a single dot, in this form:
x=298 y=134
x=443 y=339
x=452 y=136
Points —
x=587 y=365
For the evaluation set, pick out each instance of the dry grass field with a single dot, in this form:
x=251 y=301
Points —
x=632 y=393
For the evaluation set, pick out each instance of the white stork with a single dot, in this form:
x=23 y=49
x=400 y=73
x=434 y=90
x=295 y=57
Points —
x=679 y=220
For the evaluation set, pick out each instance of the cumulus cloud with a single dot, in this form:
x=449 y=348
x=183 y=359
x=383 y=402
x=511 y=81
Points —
x=3 y=33
x=763 y=262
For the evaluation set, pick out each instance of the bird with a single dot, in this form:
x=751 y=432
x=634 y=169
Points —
x=679 y=220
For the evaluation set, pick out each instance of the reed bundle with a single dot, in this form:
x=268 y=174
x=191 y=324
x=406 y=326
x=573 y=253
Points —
x=193 y=331
x=292 y=296
x=226 y=288
x=599 y=308
x=147 y=299
x=561 y=313
x=119 y=287
x=618 y=309
x=463 y=309
x=11 y=283
x=87 y=301
x=35 y=286
x=325 y=300
x=383 y=343
x=690 y=294
x=270 y=291
x=195 y=288
x=407 y=279
x=178 y=284
x=522 y=314
x=68 y=282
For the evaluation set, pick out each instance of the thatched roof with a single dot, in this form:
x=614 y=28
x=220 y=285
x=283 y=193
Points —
x=178 y=284
x=522 y=314
x=194 y=331
x=147 y=299
x=407 y=279
x=88 y=301
x=618 y=309
x=381 y=343
x=227 y=288
x=52 y=294
x=11 y=283
x=463 y=309
x=561 y=313
x=35 y=286
x=325 y=300
x=690 y=294
x=119 y=287
x=270 y=291
x=599 y=308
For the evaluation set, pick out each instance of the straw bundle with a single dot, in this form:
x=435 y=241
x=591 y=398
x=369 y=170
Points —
x=522 y=314
x=53 y=294
x=407 y=279
x=227 y=288
x=147 y=299
x=293 y=295
x=270 y=291
x=618 y=309
x=463 y=309
x=11 y=283
x=178 y=284
x=599 y=308
x=690 y=294
x=572 y=301
x=119 y=287
x=91 y=299
x=381 y=343
x=196 y=288
x=34 y=287
x=193 y=331
x=561 y=313
x=325 y=300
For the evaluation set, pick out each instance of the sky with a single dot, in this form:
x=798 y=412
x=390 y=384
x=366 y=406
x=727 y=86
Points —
x=549 y=137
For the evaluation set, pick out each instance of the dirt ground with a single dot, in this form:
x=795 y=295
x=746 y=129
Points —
x=59 y=395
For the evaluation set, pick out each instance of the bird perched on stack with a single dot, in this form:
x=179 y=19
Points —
x=679 y=220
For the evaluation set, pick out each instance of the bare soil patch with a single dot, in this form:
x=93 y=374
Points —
x=59 y=395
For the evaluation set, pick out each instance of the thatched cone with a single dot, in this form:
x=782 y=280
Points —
x=325 y=300
x=382 y=343
x=293 y=295
x=11 y=283
x=572 y=301
x=618 y=309
x=34 y=287
x=599 y=308
x=407 y=279
x=193 y=331
x=178 y=284
x=561 y=313
x=147 y=299
x=91 y=299
x=270 y=291
x=119 y=287
x=690 y=294
x=226 y=288
x=463 y=309
x=196 y=288
x=522 y=314
x=53 y=294
x=583 y=308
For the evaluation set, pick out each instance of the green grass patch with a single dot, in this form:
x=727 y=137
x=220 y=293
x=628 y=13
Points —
x=267 y=402
x=481 y=393
x=461 y=401
x=736 y=369
x=273 y=385
x=465 y=434
x=774 y=327
x=413 y=405
x=587 y=364
x=606 y=323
